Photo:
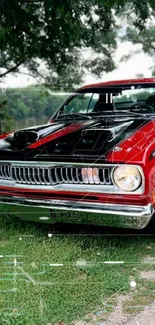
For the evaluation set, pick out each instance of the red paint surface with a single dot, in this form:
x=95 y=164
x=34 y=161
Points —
x=4 y=135
x=75 y=196
x=136 y=147
x=120 y=82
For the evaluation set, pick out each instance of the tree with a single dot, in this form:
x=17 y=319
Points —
x=6 y=122
x=28 y=103
x=143 y=35
x=56 y=32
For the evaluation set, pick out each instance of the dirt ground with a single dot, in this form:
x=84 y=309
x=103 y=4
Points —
x=145 y=317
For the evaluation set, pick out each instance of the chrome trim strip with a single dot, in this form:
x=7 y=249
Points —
x=49 y=164
x=118 y=209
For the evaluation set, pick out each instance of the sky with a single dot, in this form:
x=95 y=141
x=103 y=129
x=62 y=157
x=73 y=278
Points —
x=139 y=63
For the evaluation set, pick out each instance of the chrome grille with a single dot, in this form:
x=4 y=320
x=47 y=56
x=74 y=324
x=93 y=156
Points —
x=5 y=171
x=56 y=174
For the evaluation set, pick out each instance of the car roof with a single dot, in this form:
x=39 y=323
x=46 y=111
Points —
x=120 y=82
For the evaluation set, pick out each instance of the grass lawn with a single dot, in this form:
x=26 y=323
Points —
x=36 y=291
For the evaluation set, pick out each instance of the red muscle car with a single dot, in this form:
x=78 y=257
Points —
x=93 y=162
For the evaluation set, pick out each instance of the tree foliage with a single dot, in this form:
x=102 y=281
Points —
x=145 y=35
x=28 y=103
x=57 y=32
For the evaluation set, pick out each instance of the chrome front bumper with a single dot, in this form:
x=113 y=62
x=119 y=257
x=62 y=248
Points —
x=115 y=215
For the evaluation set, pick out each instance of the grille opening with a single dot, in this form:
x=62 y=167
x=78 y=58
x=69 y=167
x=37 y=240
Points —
x=107 y=175
x=7 y=171
x=3 y=171
x=31 y=174
x=56 y=175
x=46 y=177
x=37 y=175
x=69 y=175
x=79 y=175
x=64 y=174
x=18 y=174
x=101 y=175
x=52 y=173
x=40 y=176
x=13 y=173
x=75 y=175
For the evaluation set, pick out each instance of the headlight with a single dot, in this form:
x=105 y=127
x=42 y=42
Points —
x=128 y=178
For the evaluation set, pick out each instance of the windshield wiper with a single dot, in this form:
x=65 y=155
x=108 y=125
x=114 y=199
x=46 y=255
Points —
x=74 y=115
x=138 y=107
x=132 y=113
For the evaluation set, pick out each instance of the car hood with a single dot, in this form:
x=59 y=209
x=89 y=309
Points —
x=73 y=139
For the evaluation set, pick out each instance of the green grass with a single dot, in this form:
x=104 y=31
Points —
x=47 y=294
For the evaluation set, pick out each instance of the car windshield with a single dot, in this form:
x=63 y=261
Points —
x=139 y=99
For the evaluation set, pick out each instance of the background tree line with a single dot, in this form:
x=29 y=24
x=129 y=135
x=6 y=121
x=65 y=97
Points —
x=28 y=105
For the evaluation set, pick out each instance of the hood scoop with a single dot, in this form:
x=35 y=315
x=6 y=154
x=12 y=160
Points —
x=100 y=138
x=28 y=136
x=25 y=138
x=113 y=130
